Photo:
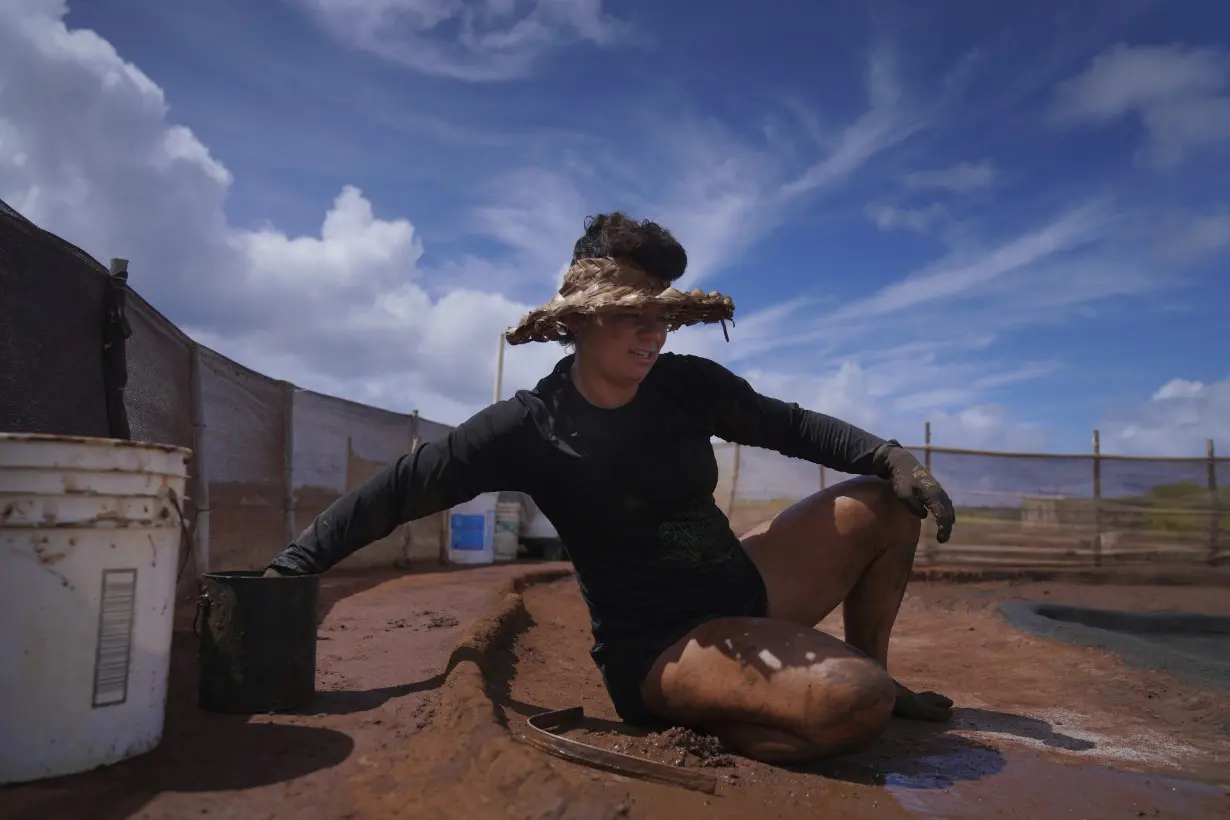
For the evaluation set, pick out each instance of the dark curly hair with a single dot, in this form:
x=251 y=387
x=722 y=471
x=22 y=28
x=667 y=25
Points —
x=646 y=244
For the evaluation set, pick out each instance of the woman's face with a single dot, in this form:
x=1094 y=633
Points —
x=623 y=345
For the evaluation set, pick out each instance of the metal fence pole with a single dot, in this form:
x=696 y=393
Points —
x=499 y=372
x=931 y=548
x=1214 y=503
x=1097 y=499
x=201 y=479
x=734 y=483
x=116 y=331
x=288 y=462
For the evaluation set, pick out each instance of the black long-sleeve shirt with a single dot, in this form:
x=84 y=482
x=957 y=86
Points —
x=629 y=490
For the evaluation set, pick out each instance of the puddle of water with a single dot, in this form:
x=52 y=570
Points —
x=1027 y=785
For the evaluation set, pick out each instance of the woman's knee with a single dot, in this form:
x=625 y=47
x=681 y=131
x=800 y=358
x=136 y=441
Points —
x=872 y=504
x=849 y=705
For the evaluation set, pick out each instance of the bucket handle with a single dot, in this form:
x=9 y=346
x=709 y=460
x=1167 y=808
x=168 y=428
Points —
x=202 y=609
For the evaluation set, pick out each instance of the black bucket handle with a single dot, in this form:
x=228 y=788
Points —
x=203 y=604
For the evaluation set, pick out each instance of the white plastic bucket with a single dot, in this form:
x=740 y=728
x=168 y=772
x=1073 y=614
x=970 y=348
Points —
x=89 y=537
x=507 y=530
x=471 y=531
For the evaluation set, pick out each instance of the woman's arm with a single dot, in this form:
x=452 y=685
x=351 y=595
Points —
x=481 y=455
x=743 y=416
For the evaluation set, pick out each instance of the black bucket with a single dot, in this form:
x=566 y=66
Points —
x=257 y=642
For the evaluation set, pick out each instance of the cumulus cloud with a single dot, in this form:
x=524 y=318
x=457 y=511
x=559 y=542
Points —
x=1177 y=420
x=475 y=40
x=89 y=153
x=1179 y=94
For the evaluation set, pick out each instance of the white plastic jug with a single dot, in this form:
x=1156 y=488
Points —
x=507 y=530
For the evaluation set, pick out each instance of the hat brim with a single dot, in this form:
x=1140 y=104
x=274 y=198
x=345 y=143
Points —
x=549 y=322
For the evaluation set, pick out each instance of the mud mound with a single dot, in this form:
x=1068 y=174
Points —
x=465 y=763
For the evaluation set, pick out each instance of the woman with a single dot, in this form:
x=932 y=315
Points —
x=692 y=625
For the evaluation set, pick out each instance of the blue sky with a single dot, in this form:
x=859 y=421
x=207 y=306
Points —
x=1012 y=220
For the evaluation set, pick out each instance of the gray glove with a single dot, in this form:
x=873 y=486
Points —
x=915 y=487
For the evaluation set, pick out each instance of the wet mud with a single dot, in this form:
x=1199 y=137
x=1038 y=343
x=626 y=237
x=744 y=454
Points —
x=1189 y=645
x=425 y=680
x=1040 y=728
x=384 y=642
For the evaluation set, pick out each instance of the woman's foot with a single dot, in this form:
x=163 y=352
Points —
x=922 y=705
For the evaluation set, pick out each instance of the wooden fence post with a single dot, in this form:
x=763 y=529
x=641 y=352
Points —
x=1214 y=503
x=932 y=547
x=1097 y=499
x=200 y=545
x=288 y=462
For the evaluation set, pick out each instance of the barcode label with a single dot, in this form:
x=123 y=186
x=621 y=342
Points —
x=115 y=619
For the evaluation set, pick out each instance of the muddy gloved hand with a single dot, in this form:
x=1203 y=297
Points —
x=915 y=486
x=271 y=572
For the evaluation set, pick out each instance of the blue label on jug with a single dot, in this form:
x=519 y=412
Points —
x=468 y=531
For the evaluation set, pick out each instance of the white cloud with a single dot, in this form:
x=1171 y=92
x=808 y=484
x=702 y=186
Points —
x=919 y=220
x=1179 y=389
x=537 y=213
x=952 y=279
x=89 y=154
x=1195 y=237
x=358 y=307
x=894 y=391
x=492 y=41
x=1180 y=94
x=721 y=195
x=887 y=122
x=1176 y=421
x=958 y=179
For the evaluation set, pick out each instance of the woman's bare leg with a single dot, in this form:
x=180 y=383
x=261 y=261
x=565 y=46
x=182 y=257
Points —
x=852 y=544
x=774 y=690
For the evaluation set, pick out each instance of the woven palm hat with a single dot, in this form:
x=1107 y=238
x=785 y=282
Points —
x=595 y=286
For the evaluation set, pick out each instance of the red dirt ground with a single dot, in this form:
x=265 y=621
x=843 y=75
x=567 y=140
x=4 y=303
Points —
x=1041 y=729
x=383 y=647
x=391 y=736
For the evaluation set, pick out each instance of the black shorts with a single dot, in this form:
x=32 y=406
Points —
x=626 y=662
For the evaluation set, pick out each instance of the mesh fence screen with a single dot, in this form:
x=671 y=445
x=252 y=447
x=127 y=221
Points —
x=245 y=445
x=1156 y=508
x=159 y=393
x=339 y=445
x=158 y=399
x=51 y=331
x=1034 y=510
x=429 y=431
x=263 y=484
